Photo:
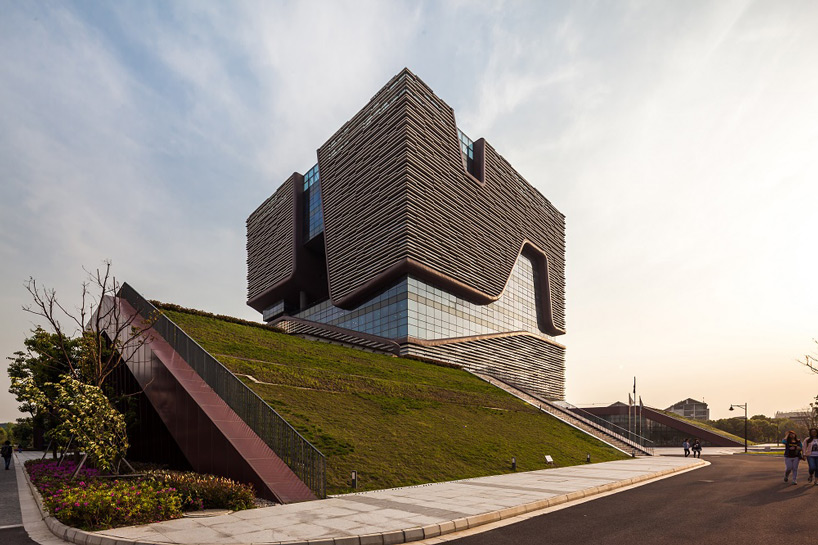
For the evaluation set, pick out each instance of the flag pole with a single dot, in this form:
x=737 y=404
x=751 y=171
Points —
x=634 y=404
x=630 y=403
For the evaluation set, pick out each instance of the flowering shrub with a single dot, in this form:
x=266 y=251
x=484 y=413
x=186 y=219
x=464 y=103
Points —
x=93 y=503
x=206 y=491
x=84 y=414
x=99 y=505
x=45 y=472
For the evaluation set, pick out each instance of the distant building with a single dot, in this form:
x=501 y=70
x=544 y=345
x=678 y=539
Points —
x=690 y=408
x=801 y=416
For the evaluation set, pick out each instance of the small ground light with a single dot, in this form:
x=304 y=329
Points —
x=355 y=480
x=513 y=463
x=588 y=458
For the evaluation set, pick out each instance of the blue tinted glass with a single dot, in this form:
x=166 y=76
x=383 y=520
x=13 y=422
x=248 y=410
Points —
x=417 y=309
x=313 y=216
x=467 y=152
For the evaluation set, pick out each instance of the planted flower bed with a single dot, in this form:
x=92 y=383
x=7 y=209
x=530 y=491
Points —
x=94 y=502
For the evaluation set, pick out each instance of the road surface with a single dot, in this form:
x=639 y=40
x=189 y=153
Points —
x=739 y=499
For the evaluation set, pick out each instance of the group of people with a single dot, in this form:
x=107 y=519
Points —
x=696 y=447
x=796 y=450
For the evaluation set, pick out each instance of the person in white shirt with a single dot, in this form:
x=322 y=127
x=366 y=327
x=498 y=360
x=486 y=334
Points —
x=811 y=452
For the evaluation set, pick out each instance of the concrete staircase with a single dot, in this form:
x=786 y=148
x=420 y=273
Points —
x=567 y=413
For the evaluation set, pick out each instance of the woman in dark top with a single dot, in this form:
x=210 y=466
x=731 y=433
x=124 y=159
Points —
x=697 y=448
x=792 y=455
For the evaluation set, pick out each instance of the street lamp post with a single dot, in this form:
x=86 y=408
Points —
x=745 y=421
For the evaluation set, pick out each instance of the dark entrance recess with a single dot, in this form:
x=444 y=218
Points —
x=150 y=440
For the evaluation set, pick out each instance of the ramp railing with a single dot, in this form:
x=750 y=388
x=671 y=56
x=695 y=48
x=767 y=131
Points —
x=300 y=455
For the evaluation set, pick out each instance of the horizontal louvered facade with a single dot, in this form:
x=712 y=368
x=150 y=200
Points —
x=527 y=361
x=406 y=197
x=271 y=241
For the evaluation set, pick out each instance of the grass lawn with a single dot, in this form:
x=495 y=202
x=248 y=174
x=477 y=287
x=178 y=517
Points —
x=395 y=421
x=706 y=426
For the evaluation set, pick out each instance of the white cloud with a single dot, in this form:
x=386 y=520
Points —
x=678 y=140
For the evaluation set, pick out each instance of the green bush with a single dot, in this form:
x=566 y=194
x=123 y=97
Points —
x=100 y=505
x=206 y=491
x=92 y=502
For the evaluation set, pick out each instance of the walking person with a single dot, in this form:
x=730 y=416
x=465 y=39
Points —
x=6 y=451
x=697 y=448
x=793 y=451
x=811 y=452
x=686 y=447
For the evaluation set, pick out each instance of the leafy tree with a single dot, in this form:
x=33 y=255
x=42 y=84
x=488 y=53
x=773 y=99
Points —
x=24 y=432
x=45 y=360
x=760 y=428
x=85 y=415
x=58 y=379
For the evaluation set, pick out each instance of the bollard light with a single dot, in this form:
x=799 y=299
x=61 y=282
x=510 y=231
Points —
x=355 y=480
x=588 y=458
x=513 y=463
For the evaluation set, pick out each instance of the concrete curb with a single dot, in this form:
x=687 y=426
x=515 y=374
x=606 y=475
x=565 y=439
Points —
x=81 y=537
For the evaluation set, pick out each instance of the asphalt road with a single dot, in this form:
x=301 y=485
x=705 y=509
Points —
x=739 y=499
x=11 y=520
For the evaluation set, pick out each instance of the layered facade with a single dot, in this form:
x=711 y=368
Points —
x=408 y=230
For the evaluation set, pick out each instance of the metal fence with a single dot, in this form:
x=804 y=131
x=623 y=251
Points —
x=692 y=422
x=569 y=410
x=619 y=432
x=300 y=455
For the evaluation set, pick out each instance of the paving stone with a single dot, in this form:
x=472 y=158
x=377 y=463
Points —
x=413 y=534
x=349 y=540
x=392 y=538
x=371 y=539
x=431 y=530
x=377 y=518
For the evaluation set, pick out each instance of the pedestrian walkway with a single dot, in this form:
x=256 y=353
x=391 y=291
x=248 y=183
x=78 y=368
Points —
x=10 y=514
x=31 y=513
x=722 y=451
x=389 y=516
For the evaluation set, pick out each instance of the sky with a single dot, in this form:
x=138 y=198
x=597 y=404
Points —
x=680 y=140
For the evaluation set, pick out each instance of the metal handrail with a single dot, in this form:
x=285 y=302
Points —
x=608 y=424
x=306 y=461
x=639 y=439
x=595 y=422
x=683 y=420
x=602 y=425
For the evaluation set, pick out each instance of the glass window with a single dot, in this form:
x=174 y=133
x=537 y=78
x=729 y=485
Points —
x=467 y=152
x=313 y=215
x=415 y=308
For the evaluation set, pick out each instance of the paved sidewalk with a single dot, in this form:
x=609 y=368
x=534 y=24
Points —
x=385 y=516
x=10 y=514
x=30 y=511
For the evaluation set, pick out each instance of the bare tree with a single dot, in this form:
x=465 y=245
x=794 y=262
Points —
x=109 y=335
x=810 y=361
